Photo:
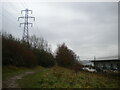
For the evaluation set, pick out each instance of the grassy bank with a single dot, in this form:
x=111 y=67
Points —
x=58 y=77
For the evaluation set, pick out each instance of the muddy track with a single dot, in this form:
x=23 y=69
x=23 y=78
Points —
x=12 y=82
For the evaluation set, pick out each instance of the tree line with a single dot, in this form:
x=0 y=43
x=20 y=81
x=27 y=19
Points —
x=18 y=53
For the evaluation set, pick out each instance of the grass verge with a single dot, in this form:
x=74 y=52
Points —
x=58 y=77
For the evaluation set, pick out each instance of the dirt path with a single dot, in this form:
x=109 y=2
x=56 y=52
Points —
x=11 y=82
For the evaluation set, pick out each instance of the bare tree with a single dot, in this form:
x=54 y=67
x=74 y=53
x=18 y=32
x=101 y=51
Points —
x=39 y=43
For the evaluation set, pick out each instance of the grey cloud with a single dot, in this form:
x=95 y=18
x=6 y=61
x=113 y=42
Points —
x=87 y=28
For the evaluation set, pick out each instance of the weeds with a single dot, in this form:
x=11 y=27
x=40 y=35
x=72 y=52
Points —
x=58 y=77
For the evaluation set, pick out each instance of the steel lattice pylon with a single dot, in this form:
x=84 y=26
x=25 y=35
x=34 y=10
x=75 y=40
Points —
x=26 y=24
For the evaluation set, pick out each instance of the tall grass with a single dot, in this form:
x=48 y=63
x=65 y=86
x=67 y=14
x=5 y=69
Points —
x=58 y=77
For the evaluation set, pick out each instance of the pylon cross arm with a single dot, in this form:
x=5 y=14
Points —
x=20 y=17
x=26 y=24
x=31 y=17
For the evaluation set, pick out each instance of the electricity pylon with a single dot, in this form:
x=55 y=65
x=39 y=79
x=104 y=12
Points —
x=26 y=24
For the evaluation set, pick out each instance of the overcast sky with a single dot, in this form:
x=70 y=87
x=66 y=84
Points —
x=88 y=28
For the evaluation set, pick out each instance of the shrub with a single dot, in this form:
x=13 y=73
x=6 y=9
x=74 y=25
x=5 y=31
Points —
x=65 y=57
x=44 y=58
x=16 y=53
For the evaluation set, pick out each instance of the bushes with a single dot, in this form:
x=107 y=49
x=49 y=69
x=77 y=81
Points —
x=15 y=53
x=44 y=58
x=66 y=57
x=42 y=51
x=18 y=53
